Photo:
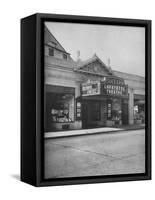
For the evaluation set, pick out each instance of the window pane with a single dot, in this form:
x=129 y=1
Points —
x=51 y=52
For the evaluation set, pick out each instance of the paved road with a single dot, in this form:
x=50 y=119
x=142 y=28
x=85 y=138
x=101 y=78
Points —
x=102 y=154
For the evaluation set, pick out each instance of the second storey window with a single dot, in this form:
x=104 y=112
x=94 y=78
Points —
x=65 y=56
x=51 y=52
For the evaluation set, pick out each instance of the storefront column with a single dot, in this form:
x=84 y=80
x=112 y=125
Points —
x=77 y=91
x=131 y=106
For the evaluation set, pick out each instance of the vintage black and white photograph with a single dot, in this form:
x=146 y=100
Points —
x=94 y=100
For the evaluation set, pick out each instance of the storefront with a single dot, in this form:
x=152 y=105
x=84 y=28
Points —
x=101 y=103
x=59 y=107
x=139 y=109
x=104 y=103
x=88 y=94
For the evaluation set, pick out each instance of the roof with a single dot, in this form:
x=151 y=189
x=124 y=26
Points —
x=82 y=64
x=60 y=62
x=52 y=41
x=129 y=76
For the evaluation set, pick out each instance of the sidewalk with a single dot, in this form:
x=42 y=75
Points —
x=71 y=133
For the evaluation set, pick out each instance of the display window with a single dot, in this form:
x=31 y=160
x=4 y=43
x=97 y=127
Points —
x=116 y=110
x=139 y=113
x=62 y=108
x=78 y=110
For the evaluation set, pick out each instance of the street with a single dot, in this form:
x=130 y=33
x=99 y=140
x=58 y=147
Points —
x=100 y=154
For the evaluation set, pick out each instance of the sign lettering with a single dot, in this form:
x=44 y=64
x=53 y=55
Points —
x=108 y=86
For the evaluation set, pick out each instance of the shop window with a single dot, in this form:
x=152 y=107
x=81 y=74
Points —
x=51 y=51
x=139 y=113
x=116 y=111
x=62 y=108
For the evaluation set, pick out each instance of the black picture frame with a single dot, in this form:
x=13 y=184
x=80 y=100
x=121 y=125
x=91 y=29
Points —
x=32 y=99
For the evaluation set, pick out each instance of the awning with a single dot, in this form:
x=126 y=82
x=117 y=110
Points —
x=139 y=97
x=139 y=102
x=59 y=89
x=102 y=97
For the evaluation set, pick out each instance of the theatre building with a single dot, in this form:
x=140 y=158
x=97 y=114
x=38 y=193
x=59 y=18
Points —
x=88 y=94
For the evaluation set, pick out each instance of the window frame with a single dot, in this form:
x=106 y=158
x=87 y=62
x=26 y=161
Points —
x=64 y=56
x=49 y=51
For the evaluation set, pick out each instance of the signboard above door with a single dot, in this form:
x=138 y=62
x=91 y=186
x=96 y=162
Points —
x=91 y=88
x=109 y=85
x=115 y=86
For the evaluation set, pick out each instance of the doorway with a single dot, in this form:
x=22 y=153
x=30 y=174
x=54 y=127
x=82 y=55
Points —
x=125 y=112
x=91 y=114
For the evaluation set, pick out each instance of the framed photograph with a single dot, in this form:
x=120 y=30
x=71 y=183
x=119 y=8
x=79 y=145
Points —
x=85 y=99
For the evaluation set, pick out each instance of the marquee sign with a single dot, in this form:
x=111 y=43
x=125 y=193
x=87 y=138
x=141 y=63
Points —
x=107 y=86
x=114 y=86
x=91 y=88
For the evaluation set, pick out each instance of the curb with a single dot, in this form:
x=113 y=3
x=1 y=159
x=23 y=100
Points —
x=96 y=133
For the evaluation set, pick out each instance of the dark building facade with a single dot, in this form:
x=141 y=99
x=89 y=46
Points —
x=88 y=94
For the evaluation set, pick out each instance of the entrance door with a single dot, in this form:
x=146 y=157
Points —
x=84 y=115
x=125 y=112
x=91 y=114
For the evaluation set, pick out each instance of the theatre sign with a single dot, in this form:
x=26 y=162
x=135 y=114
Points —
x=111 y=86
x=91 y=88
